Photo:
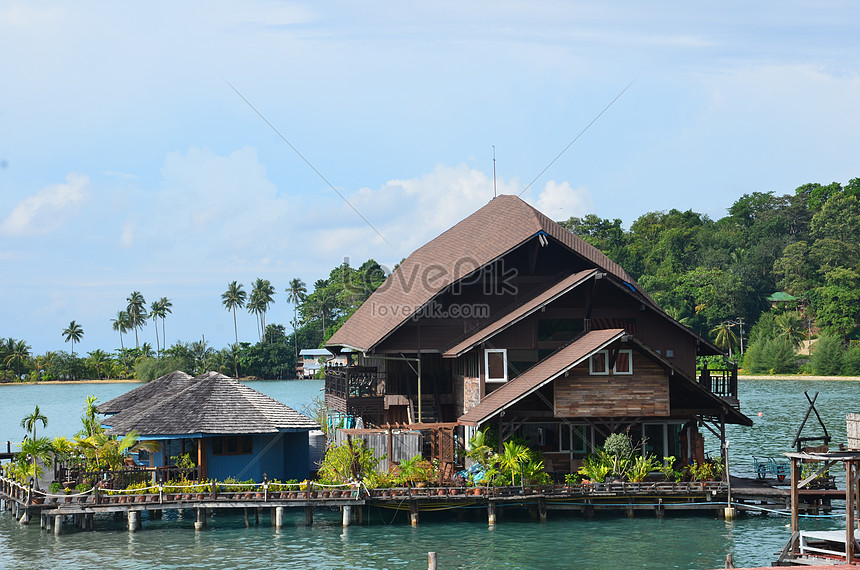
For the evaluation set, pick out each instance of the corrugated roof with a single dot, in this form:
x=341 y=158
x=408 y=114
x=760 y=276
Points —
x=212 y=404
x=540 y=374
x=168 y=384
x=500 y=226
x=517 y=313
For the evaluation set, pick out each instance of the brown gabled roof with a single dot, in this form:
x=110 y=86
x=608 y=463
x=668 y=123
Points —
x=540 y=374
x=212 y=404
x=168 y=384
x=520 y=312
x=497 y=228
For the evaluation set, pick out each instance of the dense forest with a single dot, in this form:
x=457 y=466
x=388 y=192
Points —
x=714 y=275
x=717 y=277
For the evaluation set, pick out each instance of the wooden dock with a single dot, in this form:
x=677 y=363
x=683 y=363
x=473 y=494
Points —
x=653 y=498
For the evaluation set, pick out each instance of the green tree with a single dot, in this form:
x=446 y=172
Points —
x=297 y=292
x=837 y=302
x=17 y=352
x=137 y=316
x=99 y=360
x=790 y=328
x=121 y=324
x=233 y=298
x=73 y=333
x=262 y=297
x=154 y=314
x=827 y=355
x=724 y=337
x=29 y=422
x=165 y=308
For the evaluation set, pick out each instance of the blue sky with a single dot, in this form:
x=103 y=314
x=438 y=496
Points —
x=127 y=162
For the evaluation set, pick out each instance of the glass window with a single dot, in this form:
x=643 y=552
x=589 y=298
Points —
x=495 y=363
x=233 y=445
x=598 y=363
x=623 y=362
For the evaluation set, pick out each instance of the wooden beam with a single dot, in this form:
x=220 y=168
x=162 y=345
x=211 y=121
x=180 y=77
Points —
x=795 y=495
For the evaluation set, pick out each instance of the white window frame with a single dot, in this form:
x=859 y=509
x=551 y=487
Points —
x=629 y=353
x=591 y=371
x=504 y=353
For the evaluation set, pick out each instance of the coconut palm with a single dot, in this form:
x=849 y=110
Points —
x=790 y=328
x=164 y=305
x=98 y=359
x=724 y=337
x=136 y=310
x=29 y=422
x=233 y=298
x=154 y=314
x=262 y=296
x=16 y=351
x=34 y=451
x=74 y=333
x=121 y=324
x=514 y=456
x=297 y=292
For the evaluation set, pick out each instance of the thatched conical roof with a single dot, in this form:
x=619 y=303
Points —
x=211 y=404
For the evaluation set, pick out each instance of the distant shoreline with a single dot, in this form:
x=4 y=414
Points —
x=796 y=377
x=71 y=382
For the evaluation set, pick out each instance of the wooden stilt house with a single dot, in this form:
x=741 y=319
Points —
x=510 y=320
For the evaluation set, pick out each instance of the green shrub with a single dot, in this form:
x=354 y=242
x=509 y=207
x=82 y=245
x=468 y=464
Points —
x=827 y=355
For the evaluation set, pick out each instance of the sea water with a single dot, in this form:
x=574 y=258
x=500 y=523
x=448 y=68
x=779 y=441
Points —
x=387 y=540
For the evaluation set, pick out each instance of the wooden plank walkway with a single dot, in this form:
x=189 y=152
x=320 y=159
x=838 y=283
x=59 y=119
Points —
x=649 y=497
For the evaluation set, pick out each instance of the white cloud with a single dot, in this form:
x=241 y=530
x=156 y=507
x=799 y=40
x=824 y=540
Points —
x=411 y=212
x=49 y=209
x=560 y=201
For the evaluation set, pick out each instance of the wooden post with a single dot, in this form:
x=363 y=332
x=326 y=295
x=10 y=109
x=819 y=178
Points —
x=347 y=514
x=257 y=515
x=279 y=517
x=360 y=509
x=58 y=525
x=25 y=516
x=200 y=518
x=849 y=512
x=201 y=458
x=491 y=513
x=134 y=521
x=795 y=495
x=247 y=523
x=413 y=512
x=309 y=515
x=542 y=509
x=431 y=561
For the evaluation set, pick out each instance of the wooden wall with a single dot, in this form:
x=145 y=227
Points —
x=644 y=393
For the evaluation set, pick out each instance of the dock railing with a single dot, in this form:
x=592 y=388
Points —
x=354 y=381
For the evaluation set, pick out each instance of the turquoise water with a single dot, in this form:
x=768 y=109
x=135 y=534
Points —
x=565 y=541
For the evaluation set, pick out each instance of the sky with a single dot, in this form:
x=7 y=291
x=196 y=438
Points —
x=173 y=147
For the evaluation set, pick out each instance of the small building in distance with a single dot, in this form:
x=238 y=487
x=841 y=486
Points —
x=228 y=428
x=309 y=361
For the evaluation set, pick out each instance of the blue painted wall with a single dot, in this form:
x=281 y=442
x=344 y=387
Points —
x=280 y=456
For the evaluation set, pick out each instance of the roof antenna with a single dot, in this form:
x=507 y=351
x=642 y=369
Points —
x=494 y=171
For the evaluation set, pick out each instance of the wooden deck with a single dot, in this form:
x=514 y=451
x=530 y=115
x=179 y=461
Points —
x=654 y=498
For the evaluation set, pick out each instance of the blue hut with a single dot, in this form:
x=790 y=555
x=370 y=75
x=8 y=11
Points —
x=229 y=429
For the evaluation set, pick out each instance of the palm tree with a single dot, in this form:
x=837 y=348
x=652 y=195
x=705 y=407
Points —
x=262 y=296
x=164 y=304
x=16 y=352
x=725 y=338
x=789 y=327
x=136 y=310
x=29 y=422
x=154 y=313
x=74 y=334
x=121 y=324
x=232 y=298
x=296 y=293
x=98 y=358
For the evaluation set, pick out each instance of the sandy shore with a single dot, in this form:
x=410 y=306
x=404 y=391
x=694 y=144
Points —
x=796 y=377
x=72 y=382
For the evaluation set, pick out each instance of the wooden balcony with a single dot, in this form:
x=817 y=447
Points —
x=723 y=382
x=355 y=390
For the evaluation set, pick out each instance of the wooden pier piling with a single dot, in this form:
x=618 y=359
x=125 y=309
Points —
x=491 y=513
x=309 y=515
x=346 y=515
x=279 y=517
x=199 y=518
x=133 y=521
x=413 y=512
